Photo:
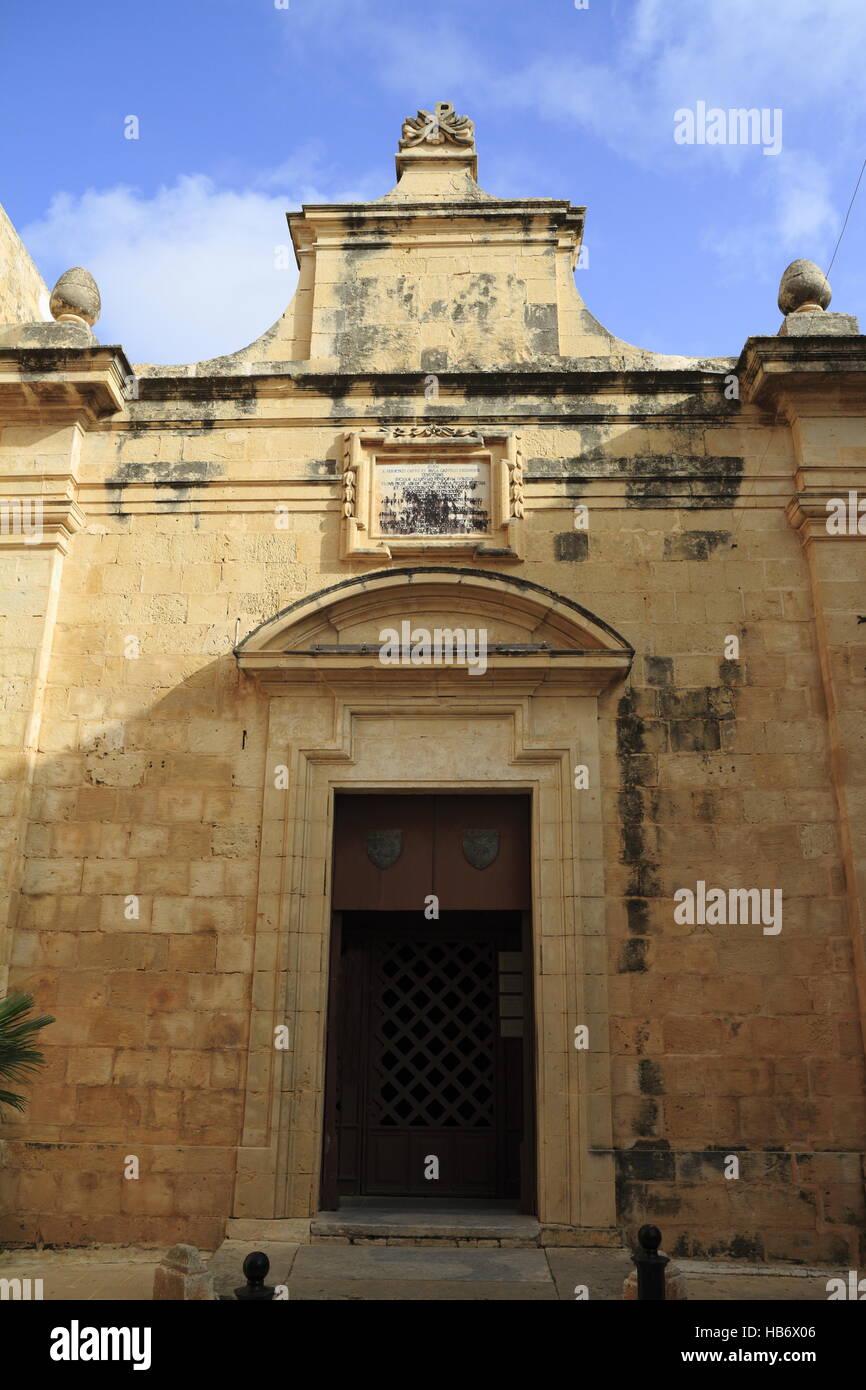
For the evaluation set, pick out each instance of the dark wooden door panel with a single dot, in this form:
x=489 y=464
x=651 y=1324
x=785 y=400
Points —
x=467 y=829
x=388 y=1156
x=351 y=1081
x=358 y=884
x=472 y=852
x=400 y=1159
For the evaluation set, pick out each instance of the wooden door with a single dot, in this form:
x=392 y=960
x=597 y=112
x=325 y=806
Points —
x=428 y=1069
x=429 y=1093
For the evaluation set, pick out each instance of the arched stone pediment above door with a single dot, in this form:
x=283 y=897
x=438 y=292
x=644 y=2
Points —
x=384 y=626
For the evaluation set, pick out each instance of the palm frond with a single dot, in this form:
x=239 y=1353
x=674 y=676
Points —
x=18 y=1055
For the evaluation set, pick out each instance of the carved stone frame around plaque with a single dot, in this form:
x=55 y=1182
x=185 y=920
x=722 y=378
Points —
x=490 y=465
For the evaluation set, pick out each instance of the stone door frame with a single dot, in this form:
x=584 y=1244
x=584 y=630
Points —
x=354 y=731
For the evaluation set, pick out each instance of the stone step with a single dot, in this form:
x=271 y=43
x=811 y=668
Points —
x=381 y=1273
x=445 y=1241
x=433 y=1226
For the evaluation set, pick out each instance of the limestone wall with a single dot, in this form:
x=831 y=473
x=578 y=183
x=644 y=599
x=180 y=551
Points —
x=150 y=779
x=23 y=292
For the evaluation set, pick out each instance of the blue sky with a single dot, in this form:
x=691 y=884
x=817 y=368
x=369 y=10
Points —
x=247 y=110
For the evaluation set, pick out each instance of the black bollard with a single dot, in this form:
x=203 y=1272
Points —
x=650 y=1265
x=255 y=1290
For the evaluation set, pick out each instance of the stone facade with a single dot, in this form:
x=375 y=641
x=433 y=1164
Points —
x=200 y=534
x=23 y=292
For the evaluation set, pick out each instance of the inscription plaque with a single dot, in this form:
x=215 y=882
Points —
x=432 y=498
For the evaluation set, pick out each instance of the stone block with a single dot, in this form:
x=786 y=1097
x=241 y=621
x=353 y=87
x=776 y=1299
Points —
x=823 y=325
x=183 y=1276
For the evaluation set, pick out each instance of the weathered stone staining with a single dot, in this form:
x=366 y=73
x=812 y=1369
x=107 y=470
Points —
x=191 y=659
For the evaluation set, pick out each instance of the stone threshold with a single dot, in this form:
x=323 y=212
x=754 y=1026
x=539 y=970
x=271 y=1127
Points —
x=436 y=1225
x=432 y=1222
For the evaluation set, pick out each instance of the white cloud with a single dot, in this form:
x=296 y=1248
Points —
x=190 y=272
x=185 y=274
x=806 y=213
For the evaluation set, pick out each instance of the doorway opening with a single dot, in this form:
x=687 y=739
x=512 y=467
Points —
x=429 y=1093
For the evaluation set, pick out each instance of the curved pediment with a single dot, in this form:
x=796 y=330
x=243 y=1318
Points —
x=527 y=631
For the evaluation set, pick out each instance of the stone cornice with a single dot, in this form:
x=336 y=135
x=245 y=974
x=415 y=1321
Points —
x=580 y=380
x=57 y=382
x=38 y=512
x=808 y=514
x=770 y=369
x=351 y=212
x=561 y=673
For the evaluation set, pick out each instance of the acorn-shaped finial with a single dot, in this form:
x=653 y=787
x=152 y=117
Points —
x=75 y=298
x=804 y=288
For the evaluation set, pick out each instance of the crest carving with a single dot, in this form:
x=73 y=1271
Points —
x=441 y=127
x=480 y=847
x=384 y=847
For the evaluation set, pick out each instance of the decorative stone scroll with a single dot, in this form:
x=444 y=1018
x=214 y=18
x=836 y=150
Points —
x=432 y=489
x=430 y=432
x=439 y=128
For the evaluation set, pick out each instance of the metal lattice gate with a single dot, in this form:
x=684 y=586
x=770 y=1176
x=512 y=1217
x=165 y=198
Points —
x=428 y=1092
x=433 y=1035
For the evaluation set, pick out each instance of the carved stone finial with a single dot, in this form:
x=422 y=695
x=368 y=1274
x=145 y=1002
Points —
x=804 y=289
x=75 y=298
x=443 y=127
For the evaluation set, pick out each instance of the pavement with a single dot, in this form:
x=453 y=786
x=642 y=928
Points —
x=351 y=1272
x=97 y=1273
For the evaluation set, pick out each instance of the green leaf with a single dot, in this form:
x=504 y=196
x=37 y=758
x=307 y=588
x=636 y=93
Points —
x=18 y=1054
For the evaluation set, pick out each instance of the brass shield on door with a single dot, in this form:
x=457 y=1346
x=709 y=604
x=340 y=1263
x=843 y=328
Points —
x=384 y=847
x=480 y=847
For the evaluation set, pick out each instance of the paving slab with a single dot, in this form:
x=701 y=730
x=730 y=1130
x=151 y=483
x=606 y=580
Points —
x=419 y=1290
x=97 y=1274
x=370 y=1262
x=718 y=1283
x=601 y=1271
x=288 y=1230
x=772 y=1289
